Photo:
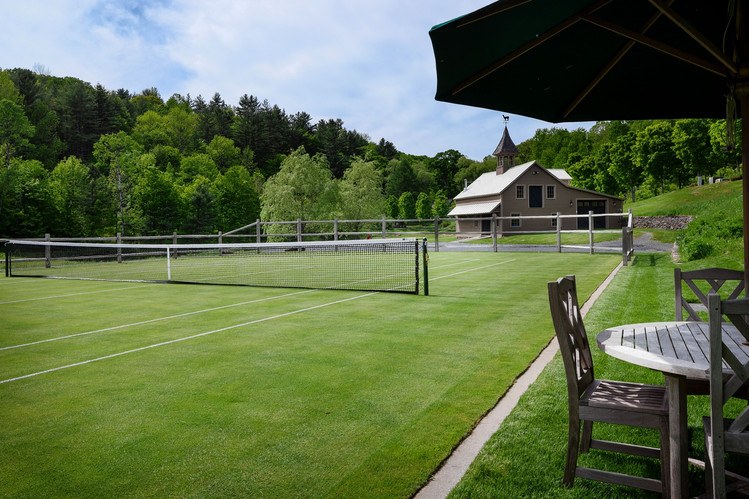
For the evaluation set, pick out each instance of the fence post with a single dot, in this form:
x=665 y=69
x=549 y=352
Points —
x=436 y=234
x=559 y=234
x=335 y=229
x=625 y=243
x=384 y=227
x=299 y=230
x=119 y=248
x=257 y=231
x=47 y=252
x=590 y=230
x=494 y=232
x=174 y=237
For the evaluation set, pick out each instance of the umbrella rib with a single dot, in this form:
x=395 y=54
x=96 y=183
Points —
x=514 y=55
x=593 y=84
x=495 y=9
x=656 y=45
x=627 y=47
x=695 y=35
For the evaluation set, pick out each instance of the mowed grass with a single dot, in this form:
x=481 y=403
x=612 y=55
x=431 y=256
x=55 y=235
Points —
x=112 y=389
x=550 y=239
x=527 y=454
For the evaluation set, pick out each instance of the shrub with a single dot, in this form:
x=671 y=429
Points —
x=701 y=237
x=696 y=248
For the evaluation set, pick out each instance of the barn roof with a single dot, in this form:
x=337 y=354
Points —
x=478 y=208
x=491 y=184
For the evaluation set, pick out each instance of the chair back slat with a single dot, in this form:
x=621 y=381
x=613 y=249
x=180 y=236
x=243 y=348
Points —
x=735 y=436
x=571 y=335
x=715 y=278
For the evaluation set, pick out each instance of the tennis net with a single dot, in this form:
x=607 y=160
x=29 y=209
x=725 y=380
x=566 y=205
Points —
x=365 y=265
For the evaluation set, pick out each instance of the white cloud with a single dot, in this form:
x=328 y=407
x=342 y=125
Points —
x=368 y=63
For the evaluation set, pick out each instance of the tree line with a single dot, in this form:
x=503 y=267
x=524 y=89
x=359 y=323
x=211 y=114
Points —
x=82 y=160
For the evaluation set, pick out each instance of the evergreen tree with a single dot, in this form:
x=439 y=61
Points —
x=79 y=120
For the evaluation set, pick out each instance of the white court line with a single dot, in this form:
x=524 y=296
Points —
x=74 y=294
x=178 y=340
x=149 y=321
x=177 y=316
x=198 y=335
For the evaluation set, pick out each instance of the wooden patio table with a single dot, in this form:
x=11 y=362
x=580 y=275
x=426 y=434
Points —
x=680 y=350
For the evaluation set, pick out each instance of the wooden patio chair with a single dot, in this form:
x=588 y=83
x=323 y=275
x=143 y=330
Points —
x=725 y=435
x=715 y=278
x=591 y=400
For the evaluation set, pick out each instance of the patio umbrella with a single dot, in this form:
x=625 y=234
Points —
x=594 y=60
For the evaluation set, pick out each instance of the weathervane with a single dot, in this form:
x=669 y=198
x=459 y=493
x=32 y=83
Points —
x=507 y=118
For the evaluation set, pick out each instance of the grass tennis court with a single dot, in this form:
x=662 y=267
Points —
x=113 y=388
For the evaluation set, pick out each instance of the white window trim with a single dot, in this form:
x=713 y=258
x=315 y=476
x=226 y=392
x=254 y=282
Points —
x=554 y=187
x=520 y=187
x=554 y=220
x=515 y=217
x=543 y=204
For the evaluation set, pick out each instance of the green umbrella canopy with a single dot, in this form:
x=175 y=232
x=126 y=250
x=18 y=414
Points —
x=583 y=60
x=593 y=60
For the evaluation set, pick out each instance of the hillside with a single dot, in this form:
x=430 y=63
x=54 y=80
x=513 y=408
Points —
x=714 y=237
x=723 y=197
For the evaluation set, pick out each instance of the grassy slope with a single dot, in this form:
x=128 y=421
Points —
x=713 y=201
x=694 y=200
x=363 y=398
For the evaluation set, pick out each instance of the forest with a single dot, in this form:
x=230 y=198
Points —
x=83 y=160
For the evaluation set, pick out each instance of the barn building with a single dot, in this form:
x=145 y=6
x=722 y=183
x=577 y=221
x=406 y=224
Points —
x=528 y=189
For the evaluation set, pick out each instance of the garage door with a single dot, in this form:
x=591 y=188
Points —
x=594 y=205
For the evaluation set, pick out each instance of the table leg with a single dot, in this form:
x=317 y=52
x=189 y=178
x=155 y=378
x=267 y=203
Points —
x=678 y=441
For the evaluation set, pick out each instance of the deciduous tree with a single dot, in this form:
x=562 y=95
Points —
x=302 y=189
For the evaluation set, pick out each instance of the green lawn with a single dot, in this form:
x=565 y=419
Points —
x=575 y=238
x=126 y=389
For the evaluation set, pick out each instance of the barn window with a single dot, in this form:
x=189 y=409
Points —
x=520 y=192
x=554 y=220
x=551 y=192
x=515 y=222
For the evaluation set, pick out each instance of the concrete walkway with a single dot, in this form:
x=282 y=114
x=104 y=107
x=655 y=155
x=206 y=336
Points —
x=455 y=466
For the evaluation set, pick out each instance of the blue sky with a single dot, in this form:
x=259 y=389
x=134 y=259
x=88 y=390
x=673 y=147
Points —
x=369 y=63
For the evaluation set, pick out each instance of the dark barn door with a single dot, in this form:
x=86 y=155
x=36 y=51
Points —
x=535 y=196
x=596 y=206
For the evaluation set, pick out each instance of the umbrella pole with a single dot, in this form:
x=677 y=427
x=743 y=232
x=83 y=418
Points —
x=742 y=92
x=744 y=96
